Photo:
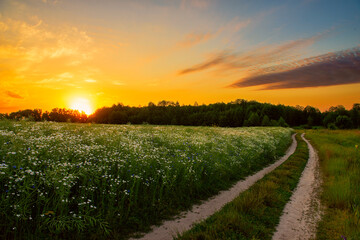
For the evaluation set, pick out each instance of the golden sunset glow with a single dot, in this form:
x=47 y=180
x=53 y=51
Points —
x=205 y=51
x=82 y=105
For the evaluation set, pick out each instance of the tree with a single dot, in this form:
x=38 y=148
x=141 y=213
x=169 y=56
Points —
x=282 y=122
x=118 y=117
x=330 y=117
x=355 y=115
x=343 y=122
x=151 y=104
x=265 y=121
x=253 y=120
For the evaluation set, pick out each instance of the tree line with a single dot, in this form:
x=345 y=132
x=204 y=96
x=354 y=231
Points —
x=233 y=114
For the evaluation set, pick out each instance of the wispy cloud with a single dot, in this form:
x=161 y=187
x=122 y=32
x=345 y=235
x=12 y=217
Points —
x=231 y=27
x=13 y=95
x=222 y=58
x=199 y=4
x=118 y=83
x=90 y=80
x=53 y=2
x=63 y=77
x=20 y=37
x=192 y=39
x=259 y=57
x=235 y=25
x=330 y=69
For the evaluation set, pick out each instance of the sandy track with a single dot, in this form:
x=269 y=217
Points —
x=302 y=212
x=199 y=212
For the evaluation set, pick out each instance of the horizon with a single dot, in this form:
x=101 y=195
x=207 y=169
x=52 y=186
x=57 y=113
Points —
x=181 y=105
x=86 y=55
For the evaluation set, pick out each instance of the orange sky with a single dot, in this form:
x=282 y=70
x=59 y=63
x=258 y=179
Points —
x=53 y=52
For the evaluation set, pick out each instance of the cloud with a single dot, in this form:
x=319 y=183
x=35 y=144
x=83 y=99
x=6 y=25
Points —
x=192 y=39
x=199 y=4
x=118 y=83
x=231 y=27
x=330 y=69
x=90 y=80
x=53 y=2
x=13 y=95
x=258 y=58
x=63 y=77
x=235 y=25
x=221 y=58
x=34 y=41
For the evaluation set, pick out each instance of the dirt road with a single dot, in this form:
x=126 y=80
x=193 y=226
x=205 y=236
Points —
x=302 y=212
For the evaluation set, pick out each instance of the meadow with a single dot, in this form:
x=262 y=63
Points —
x=64 y=180
x=339 y=155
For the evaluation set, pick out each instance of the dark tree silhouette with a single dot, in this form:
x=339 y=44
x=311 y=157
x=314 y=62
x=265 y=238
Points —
x=233 y=114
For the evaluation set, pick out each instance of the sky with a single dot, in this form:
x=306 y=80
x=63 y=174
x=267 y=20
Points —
x=88 y=54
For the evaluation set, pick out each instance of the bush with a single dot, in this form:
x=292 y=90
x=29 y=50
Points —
x=332 y=126
x=343 y=122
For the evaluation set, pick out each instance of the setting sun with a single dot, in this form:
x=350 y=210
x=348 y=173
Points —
x=81 y=104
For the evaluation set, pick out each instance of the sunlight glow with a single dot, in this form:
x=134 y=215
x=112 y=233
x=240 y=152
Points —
x=81 y=104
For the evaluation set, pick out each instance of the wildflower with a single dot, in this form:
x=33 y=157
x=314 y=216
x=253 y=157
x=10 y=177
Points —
x=356 y=146
x=50 y=212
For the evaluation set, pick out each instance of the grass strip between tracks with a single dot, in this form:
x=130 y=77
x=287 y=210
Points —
x=255 y=213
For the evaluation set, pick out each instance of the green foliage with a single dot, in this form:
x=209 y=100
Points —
x=254 y=120
x=282 y=123
x=332 y=126
x=66 y=181
x=255 y=213
x=343 y=122
x=266 y=121
x=340 y=164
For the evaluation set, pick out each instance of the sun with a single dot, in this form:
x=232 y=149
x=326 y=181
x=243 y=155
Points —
x=82 y=105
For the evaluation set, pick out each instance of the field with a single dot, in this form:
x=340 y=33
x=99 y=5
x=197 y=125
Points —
x=78 y=180
x=340 y=165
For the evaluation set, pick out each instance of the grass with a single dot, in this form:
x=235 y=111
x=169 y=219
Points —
x=340 y=166
x=255 y=213
x=72 y=181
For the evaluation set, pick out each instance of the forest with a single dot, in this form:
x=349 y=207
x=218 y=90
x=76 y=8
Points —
x=233 y=114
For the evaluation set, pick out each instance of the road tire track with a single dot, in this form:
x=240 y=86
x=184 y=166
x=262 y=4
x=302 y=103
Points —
x=302 y=213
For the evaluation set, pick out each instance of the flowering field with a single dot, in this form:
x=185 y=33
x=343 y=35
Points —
x=77 y=180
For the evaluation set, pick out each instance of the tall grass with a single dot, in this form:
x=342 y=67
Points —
x=340 y=164
x=106 y=181
x=255 y=213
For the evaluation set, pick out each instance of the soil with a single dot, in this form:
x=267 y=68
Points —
x=303 y=211
x=186 y=220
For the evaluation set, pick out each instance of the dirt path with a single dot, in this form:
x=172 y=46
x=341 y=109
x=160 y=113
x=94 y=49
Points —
x=199 y=212
x=302 y=212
